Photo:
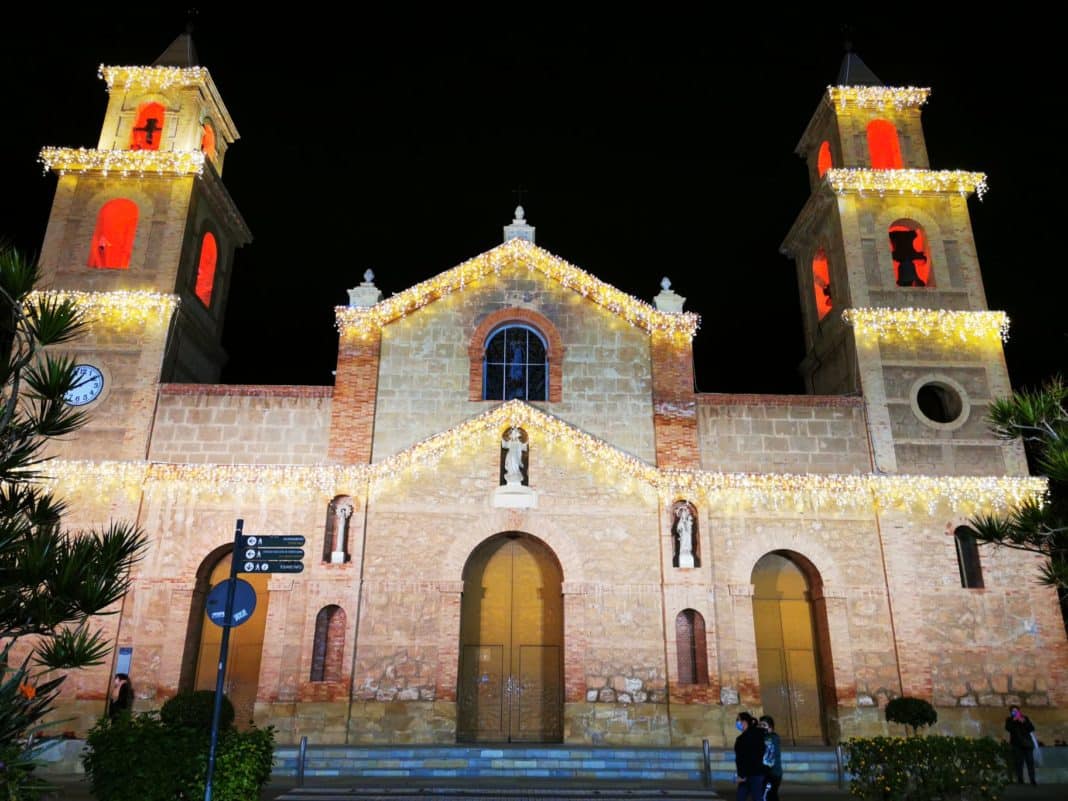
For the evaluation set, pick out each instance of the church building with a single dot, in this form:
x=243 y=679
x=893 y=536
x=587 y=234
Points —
x=522 y=523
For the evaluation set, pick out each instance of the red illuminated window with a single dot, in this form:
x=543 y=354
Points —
x=209 y=255
x=113 y=237
x=824 y=161
x=883 y=147
x=912 y=260
x=148 y=129
x=821 y=283
x=207 y=141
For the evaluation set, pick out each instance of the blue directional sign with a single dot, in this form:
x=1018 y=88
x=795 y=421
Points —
x=250 y=566
x=244 y=603
x=270 y=541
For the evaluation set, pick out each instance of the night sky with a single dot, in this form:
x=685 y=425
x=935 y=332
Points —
x=646 y=147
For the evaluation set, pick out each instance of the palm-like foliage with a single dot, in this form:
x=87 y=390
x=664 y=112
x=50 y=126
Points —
x=52 y=582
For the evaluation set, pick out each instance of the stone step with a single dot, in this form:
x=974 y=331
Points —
x=483 y=793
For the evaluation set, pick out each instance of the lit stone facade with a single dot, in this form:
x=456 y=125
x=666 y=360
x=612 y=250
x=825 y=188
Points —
x=403 y=440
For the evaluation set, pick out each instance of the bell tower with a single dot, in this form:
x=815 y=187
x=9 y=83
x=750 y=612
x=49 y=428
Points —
x=891 y=292
x=143 y=232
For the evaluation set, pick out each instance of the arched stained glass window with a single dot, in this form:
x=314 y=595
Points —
x=516 y=365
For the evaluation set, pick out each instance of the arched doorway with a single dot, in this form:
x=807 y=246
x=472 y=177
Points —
x=511 y=643
x=204 y=640
x=789 y=633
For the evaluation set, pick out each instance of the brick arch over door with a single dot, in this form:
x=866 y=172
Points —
x=555 y=346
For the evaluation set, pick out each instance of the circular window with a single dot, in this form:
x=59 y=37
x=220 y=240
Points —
x=940 y=402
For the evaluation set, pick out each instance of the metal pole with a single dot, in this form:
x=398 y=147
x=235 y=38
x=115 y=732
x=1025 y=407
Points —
x=223 y=653
x=706 y=752
x=302 y=755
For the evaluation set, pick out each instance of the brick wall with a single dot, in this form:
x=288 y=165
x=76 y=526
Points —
x=782 y=433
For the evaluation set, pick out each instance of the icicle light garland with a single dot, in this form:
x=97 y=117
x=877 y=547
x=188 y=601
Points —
x=878 y=97
x=514 y=253
x=124 y=162
x=119 y=309
x=940 y=325
x=152 y=77
x=723 y=492
x=901 y=182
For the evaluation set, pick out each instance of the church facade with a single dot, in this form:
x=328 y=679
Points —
x=522 y=523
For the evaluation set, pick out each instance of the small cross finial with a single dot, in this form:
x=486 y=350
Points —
x=665 y=283
x=368 y=276
x=190 y=15
x=518 y=192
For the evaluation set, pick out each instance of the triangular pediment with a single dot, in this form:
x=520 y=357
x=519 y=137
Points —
x=516 y=253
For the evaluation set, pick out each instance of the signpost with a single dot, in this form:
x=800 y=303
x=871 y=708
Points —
x=253 y=553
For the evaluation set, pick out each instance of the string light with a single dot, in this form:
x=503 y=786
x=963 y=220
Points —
x=878 y=97
x=882 y=182
x=124 y=162
x=722 y=492
x=939 y=325
x=119 y=309
x=515 y=253
x=153 y=77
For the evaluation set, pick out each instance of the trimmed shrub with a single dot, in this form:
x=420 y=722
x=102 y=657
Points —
x=914 y=712
x=141 y=758
x=926 y=768
x=193 y=710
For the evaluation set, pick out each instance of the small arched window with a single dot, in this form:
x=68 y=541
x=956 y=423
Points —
x=209 y=256
x=824 y=161
x=329 y=644
x=821 y=283
x=515 y=365
x=908 y=249
x=883 y=147
x=207 y=141
x=971 y=571
x=691 y=647
x=148 y=128
x=113 y=237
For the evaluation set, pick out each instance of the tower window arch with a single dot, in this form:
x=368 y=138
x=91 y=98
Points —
x=821 y=283
x=971 y=570
x=329 y=644
x=515 y=365
x=209 y=257
x=113 y=237
x=691 y=647
x=824 y=161
x=910 y=254
x=148 y=127
x=884 y=150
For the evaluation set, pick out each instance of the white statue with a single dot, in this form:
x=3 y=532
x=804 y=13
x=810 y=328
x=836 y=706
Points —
x=341 y=529
x=684 y=529
x=513 y=460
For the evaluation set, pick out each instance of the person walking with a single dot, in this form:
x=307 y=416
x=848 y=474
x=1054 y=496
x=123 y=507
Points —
x=772 y=758
x=749 y=758
x=1021 y=739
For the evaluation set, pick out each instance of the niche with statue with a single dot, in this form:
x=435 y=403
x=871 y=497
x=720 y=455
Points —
x=684 y=535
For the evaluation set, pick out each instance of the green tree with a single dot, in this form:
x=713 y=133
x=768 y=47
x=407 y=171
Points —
x=52 y=582
x=1040 y=419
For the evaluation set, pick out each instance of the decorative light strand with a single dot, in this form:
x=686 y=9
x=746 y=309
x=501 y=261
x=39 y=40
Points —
x=120 y=308
x=724 y=492
x=911 y=325
x=878 y=97
x=514 y=253
x=901 y=182
x=152 y=77
x=124 y=162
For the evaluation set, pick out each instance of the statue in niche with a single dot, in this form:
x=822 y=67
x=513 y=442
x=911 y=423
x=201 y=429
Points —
x=513 y=461
x=903 y=251
x=339 y=553
x=684 y=532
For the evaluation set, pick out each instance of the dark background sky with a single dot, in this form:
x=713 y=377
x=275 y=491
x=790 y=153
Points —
x=647 y=145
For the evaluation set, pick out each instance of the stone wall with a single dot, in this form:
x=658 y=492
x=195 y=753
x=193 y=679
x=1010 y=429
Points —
x=424 y=375
x=782 y=433
x=219 y=424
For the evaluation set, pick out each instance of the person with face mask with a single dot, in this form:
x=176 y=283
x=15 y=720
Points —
x=1021 y=738
x=749 y=758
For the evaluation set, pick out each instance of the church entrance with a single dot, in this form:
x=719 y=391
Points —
x=511 y=643
x=788 y=659
x=200 y=666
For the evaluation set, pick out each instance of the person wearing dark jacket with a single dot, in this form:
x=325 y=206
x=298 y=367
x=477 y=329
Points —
x=121 y=696
x=772 y=752
x=1020 y=727
x=749 y=758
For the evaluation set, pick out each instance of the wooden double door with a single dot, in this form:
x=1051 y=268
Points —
x=511 y=644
